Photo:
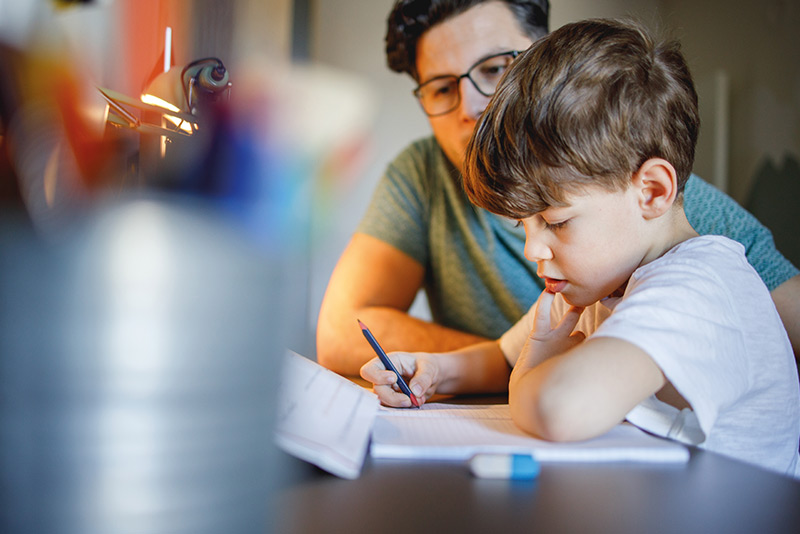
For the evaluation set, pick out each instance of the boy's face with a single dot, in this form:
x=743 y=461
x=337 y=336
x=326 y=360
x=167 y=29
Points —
x=588 y=249
x=451 y=48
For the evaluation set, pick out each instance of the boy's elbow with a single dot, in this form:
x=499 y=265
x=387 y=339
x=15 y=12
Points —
x=555 y=426
x=550 y=414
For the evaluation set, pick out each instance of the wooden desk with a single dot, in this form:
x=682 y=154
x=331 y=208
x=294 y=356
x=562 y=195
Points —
x=710 y=494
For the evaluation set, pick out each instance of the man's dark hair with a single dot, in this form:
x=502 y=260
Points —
x=410 y=19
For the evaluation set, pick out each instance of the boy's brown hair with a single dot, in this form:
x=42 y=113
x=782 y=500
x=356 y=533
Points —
x=586 y=105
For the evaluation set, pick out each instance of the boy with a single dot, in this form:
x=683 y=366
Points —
x=588 y=142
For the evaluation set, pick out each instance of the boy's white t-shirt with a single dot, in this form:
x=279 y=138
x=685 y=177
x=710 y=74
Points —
x=708 y=321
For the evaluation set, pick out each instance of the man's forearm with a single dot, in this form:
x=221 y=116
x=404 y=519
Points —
x=343 y=349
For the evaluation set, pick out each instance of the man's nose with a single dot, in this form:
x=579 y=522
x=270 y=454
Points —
x=473 y=103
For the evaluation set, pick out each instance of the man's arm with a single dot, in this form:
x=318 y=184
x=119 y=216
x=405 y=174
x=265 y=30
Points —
x=787 y=300
x=377 y=283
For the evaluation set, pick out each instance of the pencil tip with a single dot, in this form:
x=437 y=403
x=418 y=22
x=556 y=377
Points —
x=362 y=325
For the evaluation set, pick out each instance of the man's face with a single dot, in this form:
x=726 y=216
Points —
x=451 y=48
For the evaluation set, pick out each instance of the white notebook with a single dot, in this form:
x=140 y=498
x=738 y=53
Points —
x=323 y=418
x=457 y=432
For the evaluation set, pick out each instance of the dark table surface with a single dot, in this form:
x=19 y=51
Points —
x=710 y=493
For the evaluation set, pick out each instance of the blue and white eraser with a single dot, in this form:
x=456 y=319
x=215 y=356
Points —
x=507 y=466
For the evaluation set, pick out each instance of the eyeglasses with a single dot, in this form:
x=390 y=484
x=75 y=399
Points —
x=441 y=95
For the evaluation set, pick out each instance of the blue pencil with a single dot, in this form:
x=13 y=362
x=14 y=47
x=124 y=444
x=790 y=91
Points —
x=387 y=363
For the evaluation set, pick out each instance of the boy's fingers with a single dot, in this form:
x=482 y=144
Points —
x=577 y=337
x=385 y=382
x=404 y=362
x=541 y=325
x=374 y=371
x=423 y=379
x=391 y=397
x=371 y=370
x=570 y=320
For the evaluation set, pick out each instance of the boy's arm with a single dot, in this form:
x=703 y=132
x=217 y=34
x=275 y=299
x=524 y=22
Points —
x=565 y=389
x=377 y=283
x=583 y=392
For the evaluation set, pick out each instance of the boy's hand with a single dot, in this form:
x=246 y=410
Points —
x=419 y=370
x=545 y=342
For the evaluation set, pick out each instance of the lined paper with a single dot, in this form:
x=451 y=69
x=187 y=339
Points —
x=457 y=432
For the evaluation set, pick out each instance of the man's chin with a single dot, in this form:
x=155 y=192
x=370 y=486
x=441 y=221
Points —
x=459 y=165
x=456 y=156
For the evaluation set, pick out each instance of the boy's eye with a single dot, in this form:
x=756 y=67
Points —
x=518 y=223
x=556 y=225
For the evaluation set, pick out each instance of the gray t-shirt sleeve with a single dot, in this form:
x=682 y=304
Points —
x=712 y=212
x=397 y=212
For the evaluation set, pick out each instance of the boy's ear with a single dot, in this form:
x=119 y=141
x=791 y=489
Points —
x=657 y=185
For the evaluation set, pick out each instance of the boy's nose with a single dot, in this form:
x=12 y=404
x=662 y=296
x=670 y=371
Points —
x=536 y=249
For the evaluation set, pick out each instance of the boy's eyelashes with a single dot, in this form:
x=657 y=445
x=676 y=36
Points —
x=556 y=225
x=547 y=225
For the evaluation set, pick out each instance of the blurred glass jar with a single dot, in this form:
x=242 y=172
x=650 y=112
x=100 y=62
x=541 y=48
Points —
x=138 y=356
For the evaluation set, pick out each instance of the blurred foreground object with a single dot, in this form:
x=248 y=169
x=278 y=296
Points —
x=139 y=356
x=144 y=311
x=54 y=137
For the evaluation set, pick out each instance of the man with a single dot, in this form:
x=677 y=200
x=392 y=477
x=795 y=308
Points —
x=421 y=231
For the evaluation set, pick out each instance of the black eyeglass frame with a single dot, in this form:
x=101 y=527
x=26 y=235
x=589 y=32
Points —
x=416 y=92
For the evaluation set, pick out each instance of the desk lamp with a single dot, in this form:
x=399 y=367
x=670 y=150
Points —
x=177 y=96
x=189 y=90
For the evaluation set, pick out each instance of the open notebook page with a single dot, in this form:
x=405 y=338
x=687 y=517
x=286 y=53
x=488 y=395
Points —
x=323 y=418
x=457 y=432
